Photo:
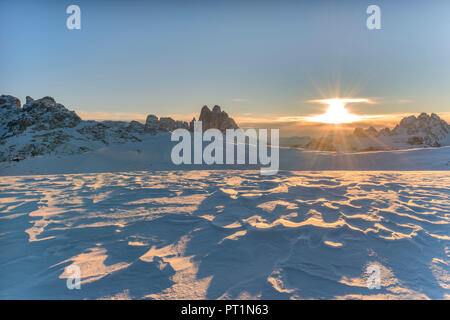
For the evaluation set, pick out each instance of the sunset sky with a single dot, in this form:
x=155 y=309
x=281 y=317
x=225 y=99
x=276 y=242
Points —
x=262 y=61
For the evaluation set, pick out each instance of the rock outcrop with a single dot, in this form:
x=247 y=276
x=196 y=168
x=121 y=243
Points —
x=151 y=124
x=164 y=124
x=6 y=101
x=42 y=114
x=10 y=110
x=44 y=126
x=216 y=118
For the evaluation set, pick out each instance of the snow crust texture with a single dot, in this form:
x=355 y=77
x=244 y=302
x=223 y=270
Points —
x=226 y=234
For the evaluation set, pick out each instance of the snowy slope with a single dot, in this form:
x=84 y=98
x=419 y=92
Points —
x=178 y=234
x=153 y=153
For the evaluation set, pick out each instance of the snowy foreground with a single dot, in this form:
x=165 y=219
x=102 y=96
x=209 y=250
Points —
x=226 y=234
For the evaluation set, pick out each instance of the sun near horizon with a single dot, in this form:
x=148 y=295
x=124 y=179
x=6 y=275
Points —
x=336 y=112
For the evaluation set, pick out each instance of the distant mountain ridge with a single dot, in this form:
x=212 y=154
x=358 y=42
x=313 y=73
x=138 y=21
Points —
x=422 y=131
x=44 y=126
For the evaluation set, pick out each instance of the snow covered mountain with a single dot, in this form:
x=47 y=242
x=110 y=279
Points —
x=45 y=127
x=412 y=132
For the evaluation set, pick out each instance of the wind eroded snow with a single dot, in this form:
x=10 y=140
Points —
x=225 y=234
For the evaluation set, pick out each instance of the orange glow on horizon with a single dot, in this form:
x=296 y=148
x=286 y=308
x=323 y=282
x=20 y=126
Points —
x=336 y=112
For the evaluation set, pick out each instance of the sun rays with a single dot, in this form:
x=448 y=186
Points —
x=336 y=112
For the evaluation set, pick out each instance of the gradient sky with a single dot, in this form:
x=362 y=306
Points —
x=257 y=59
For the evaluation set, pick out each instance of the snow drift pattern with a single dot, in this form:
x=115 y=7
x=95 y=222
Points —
x=226 y=234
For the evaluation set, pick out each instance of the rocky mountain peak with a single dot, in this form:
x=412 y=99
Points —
x=425 y=130
x=7 y=101
x=164 y=124
x=216 y=119
x=371 y=131
x=10 y=110
x=42 y=114
x=46 y=114
x=424 y=126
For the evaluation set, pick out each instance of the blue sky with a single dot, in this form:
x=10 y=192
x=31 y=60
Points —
x=254 y=58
